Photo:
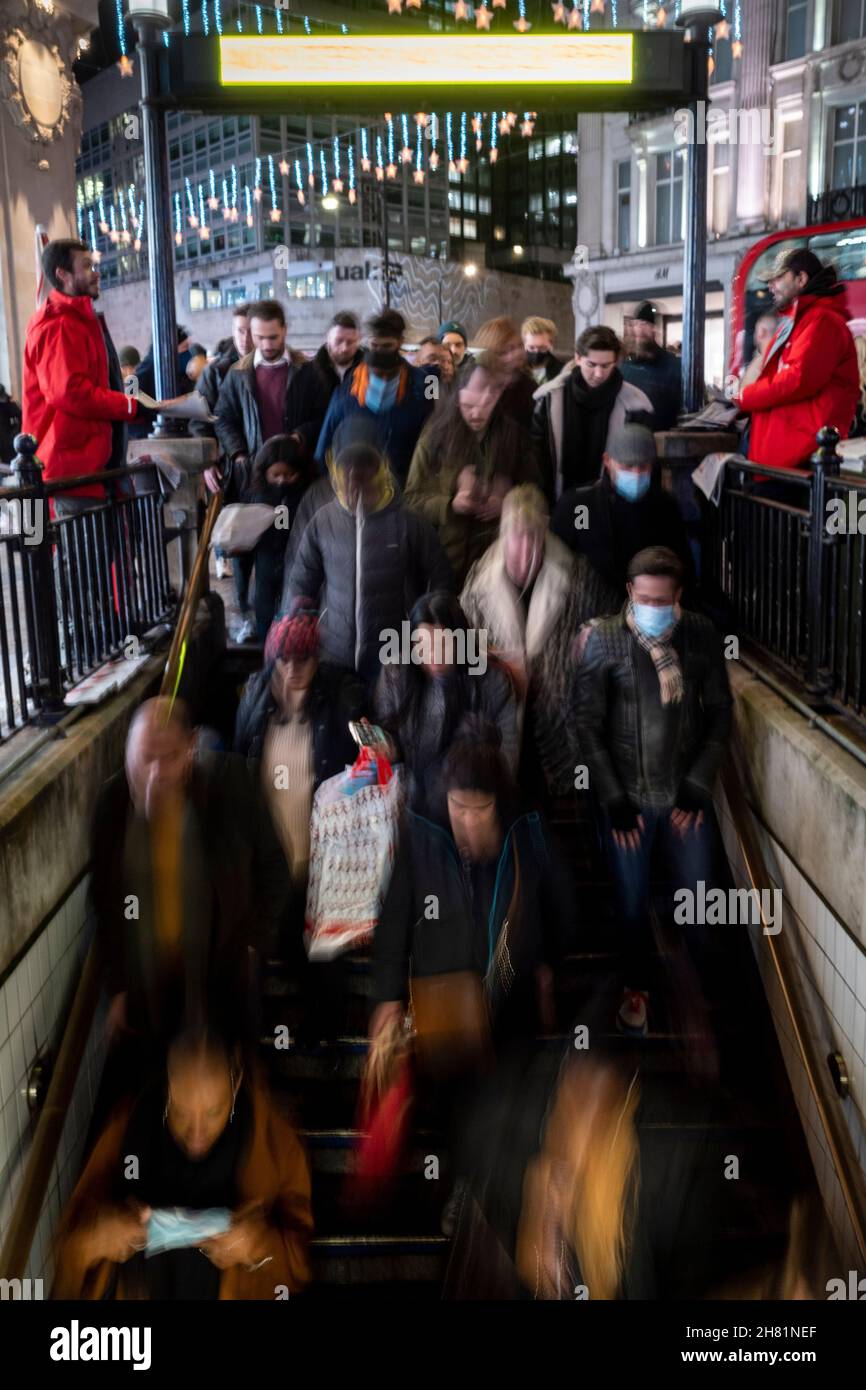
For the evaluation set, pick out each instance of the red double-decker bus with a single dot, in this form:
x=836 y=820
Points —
x=842 y=244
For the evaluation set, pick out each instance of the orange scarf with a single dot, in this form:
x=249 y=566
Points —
x=361 y=380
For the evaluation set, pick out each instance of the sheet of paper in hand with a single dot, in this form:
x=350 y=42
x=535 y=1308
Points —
x=190 y=407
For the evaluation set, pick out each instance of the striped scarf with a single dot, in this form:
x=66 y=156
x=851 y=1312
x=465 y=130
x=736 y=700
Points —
x=662 y=655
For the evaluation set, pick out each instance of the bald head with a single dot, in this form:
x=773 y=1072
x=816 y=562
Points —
x=159 y=750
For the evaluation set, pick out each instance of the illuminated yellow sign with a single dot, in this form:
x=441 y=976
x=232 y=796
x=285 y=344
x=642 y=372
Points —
x=358 y=60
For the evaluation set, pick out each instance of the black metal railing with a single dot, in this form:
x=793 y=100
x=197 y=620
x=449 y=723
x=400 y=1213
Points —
x=82 y=580
x=790 y=559
x=836 y=205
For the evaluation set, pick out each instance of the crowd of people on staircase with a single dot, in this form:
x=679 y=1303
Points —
x=502 y=511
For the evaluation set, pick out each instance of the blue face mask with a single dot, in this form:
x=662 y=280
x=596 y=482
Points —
x=653 y=621
x=630 y=484
x=381 y=393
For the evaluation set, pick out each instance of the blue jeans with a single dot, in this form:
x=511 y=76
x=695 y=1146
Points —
x=687 y=860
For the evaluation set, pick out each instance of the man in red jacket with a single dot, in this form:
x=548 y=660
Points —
x=73 y=399
x=809 y=376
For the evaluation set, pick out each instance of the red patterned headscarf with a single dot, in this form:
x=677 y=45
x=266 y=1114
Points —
x=295 y=634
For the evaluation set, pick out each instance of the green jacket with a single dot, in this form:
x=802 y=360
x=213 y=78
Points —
x=429 y=492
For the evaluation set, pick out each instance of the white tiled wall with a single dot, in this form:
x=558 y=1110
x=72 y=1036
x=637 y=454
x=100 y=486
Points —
x=832 y=967
x=35 y=999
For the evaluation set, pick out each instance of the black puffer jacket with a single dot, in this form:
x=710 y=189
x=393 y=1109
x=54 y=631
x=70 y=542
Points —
x=636 y=747
x=334 y=698
x=369 y=574
x=317 y=381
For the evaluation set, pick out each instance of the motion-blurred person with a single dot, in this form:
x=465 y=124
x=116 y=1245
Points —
x=469 y=456
x=281 y=474
x=538 y=336
x=146 y=372
x=387 y=391
x=627 y=510
x=294 y=714
x=228 y=352
x=422 y=703
x=858 y=429
x=577 y=412
x=496 y=925
x=293 y=728
x=187 y=877
x=10 y=425
x=654 y=717
x=211 y=1149
x=452 y=335
x=74 y=404
x=198 y=360
x=531 y=596
x=431 y=353
x=499 y=339
x=580 y=1192
x=765 y=331
x=129 y=358
x=650 y=367
x=364 y=556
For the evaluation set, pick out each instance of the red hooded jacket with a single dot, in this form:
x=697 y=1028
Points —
x=809 y=379
x=68 y=406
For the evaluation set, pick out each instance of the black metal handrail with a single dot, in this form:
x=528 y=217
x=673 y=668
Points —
x=76 y=588
x=792 y=572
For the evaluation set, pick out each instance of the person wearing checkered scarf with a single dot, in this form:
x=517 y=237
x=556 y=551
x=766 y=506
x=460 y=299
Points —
x=654 y=714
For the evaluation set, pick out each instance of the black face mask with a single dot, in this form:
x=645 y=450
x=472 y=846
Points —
x=536 y=356
x=382 y=360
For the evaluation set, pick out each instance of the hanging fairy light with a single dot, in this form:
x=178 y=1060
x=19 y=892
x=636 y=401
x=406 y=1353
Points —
x=596 y=7
x=418 y=171
x=449 y=142
x=204 y=229
x=494 y=137
x=186 y=18
x=391 y=169
x=463 y=162
x=575 y=16
x=234 y=211
x=461 y=10
x=274 y=212
x=300 y=183
x=503 y=125
x=613 y=13
x=477 y=132
x=103 y=220
x=227 y=207
x=311 y=177
x=350 y=154
x=337 y=181
x=365 y=151
x=522 y=24
x=527 y=125
x=213 y=201
x=433 y=161
x=586 y=13
x=124 y=62
x=483 y=17
x=80 y=220
x=218 y=15
x=279 y=16
x=307 y=24
x=737 y=45
x=257 y=189
x=112 y=235
x=260 y=19
x=406 y=151
x=93 y=245
x=205 y=19
x=123 y=222
x=178 y=220
x=323 y=170
x=130 y=193
x=380 y=165
x=558 y=12
x=192 y=218
x=249 y=204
